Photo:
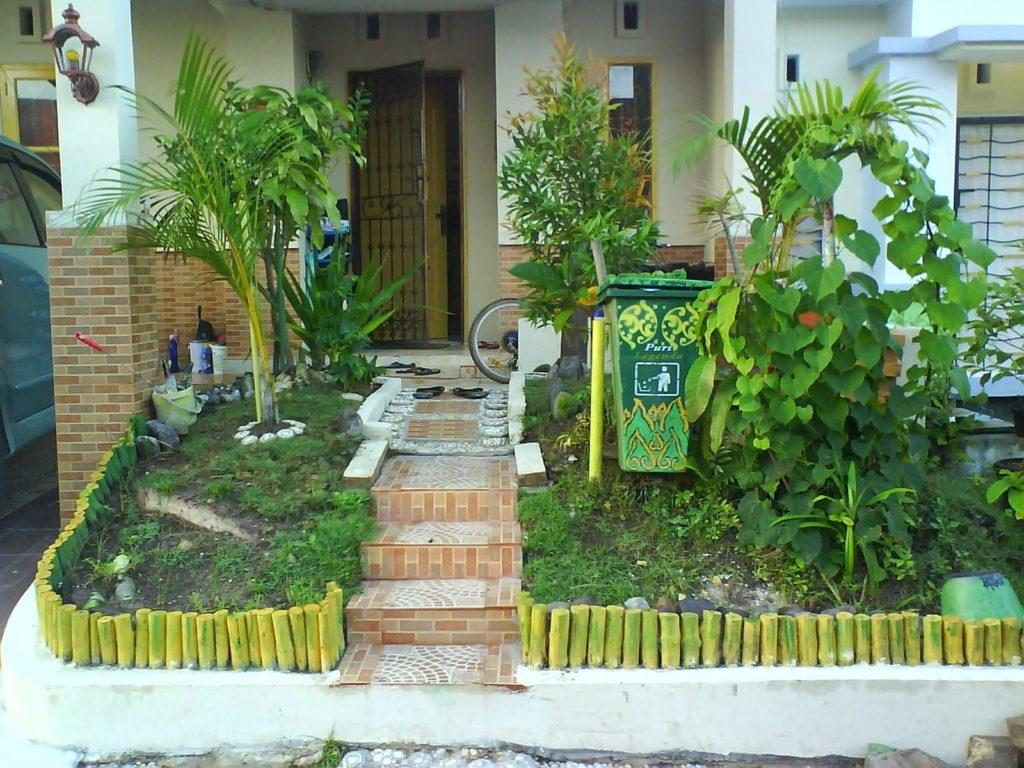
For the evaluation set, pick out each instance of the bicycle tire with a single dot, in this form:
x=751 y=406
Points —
x=483 y=364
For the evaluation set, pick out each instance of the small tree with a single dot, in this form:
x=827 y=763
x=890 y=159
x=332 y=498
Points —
x=235 y=177
x=574 y=190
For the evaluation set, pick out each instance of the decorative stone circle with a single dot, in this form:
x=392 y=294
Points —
x=288 y=428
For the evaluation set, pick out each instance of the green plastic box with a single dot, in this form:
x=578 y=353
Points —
x=652 y=325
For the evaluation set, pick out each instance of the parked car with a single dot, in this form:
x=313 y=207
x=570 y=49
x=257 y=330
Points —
x=28 y=188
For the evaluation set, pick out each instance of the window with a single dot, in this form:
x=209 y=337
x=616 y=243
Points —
x=793 y=68
x=16 y=225
x=990 y=182
x=373 y=26
x=630 y=89
x=26 y=21
x=630 y=18
x=28 y=108
x=42 y=191
x=433 y=26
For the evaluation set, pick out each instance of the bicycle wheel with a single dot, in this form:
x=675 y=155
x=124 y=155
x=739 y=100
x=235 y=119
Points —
x=499 y=356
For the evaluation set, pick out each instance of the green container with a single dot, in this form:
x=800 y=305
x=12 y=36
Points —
x=653 y=339
x=981 y=595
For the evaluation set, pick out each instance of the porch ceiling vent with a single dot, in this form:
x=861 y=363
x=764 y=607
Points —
x=630 y=18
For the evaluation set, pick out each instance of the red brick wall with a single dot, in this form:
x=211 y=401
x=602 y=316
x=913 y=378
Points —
x=111 y=298
x=723 y=260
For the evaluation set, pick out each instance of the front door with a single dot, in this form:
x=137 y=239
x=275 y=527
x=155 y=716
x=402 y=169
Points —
x=389 y=225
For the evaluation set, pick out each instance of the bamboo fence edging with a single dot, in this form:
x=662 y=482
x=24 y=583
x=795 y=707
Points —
x=308 y=638
x=613 y=637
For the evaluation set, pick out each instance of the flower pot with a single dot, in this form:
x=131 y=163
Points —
x=980 y=595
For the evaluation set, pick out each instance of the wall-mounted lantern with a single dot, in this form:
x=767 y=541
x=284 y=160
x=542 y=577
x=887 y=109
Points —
x=72 y=52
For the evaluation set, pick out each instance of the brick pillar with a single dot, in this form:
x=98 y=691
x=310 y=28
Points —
x=110 y=297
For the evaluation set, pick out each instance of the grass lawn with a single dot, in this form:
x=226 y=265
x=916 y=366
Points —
x=289 y=492
x=665 y=535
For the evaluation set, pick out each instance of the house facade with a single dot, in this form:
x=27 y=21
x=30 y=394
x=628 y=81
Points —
x=444 y=77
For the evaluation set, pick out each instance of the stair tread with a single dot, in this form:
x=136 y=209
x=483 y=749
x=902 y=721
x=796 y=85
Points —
x=450 y=534
x=441 y=594
x=365 y=663
x=447 y=474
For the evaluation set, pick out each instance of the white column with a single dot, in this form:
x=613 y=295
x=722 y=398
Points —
x=750 y=76
x=524 y=36
x=263 y=47
x=103 y=134
x=939 y=79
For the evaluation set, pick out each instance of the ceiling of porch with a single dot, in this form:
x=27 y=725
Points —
x=367 y=6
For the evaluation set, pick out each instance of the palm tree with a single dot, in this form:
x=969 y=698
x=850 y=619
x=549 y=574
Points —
x=197 y=196
x=769 y=145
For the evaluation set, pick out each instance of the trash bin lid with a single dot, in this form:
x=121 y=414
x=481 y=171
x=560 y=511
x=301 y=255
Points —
x=639 y=285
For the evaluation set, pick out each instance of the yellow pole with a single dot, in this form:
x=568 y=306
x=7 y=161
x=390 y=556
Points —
x=596 y=395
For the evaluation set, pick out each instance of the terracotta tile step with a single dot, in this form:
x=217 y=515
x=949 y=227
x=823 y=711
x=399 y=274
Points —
x=435 y=612
x=447 y=489
x=441 y=550
x=368 y=664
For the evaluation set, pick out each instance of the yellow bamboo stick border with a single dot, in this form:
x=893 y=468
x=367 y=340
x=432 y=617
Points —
x=808 y=640
x=308 y=638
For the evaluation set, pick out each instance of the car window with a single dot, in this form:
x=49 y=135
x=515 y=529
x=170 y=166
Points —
x=16 y=226
x=42 y=190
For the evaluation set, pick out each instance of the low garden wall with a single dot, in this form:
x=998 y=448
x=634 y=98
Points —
x=310 y=638
x=615 y=637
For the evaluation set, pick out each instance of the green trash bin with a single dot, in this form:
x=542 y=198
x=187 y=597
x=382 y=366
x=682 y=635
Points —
x=652 y=324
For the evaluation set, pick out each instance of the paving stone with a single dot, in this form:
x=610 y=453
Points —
x=991 y=752
x=530 y=466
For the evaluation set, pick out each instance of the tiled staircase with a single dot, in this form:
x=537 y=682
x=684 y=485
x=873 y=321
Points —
x=444 y=569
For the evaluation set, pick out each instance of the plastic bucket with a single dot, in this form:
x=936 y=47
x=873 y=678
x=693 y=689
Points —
x=220 y=357
x=195 y=351
x=178 y=410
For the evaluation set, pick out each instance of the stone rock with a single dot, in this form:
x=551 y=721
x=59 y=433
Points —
x=287 y=433
x=557 y=604
x=584 y=600
x=564 y=406
x=667 y=605
x=569 y=367
x=355 y=397
x=250 y=439
x=186 y=545
x=791 y=610
x=125 y=589
x=350 y=423
x=991 y=752
x=696 y=605
x=904 y=758
x=297 y=754
x=163 y=433
x=1015 y=726
x=266 y=437
x=840 y=609
x=636 y=602
x=147 y=447
x=357 y=758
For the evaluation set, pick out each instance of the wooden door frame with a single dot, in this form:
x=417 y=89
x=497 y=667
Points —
x=9 y=74
x=352 y=77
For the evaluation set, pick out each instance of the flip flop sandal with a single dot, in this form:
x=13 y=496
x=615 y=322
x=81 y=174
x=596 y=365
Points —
x=426 y=393
x=417 y=371
x=487 y=345
x=397 y=364
x=473 y=393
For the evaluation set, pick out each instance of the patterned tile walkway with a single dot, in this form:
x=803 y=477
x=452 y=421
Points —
x=439 y=608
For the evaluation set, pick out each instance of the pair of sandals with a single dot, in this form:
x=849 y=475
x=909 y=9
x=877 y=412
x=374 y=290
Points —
x=413 y=368
x=472 y=393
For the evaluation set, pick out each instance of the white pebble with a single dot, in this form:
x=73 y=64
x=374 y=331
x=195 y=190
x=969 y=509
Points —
x=286 y=434
x=250 y=439
x=266 y=438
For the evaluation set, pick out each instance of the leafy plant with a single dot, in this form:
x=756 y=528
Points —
x=851 y=518
x=1011 y=485
x=996 y=332
x=792 y=379
x=114 y=568
x=573 y=189
x=221 y=188
x=339 y=310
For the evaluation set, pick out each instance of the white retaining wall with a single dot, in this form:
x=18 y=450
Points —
x=800 y=712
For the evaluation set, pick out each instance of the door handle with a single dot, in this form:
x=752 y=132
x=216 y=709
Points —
x=442 y=217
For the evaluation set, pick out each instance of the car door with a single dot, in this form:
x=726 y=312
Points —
x=26 y=365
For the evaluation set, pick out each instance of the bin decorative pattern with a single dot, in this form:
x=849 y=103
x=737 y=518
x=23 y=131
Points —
x=653 y=347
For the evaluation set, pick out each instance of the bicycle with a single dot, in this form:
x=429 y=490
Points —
x=495 y=360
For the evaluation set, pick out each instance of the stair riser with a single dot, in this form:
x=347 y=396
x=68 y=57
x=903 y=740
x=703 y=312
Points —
x=459 y=561
x=447 y=506
x=457 y=626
